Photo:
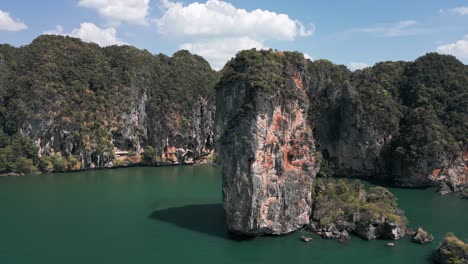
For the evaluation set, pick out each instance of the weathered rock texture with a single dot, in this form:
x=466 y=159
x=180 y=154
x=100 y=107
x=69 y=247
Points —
x=422 y=236
x=391 y=121
x=280 y=117
x=267 y=149
x=84 y=106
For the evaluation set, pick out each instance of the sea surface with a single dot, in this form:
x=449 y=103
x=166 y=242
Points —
x=174 y=215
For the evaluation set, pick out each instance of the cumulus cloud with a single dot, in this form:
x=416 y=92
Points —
x=398 y=29
x=89 y=32
x=7 y=23
x=218 y=18
x=218 y=29
x=458 y=48
x=461 y=10
x=358 y=65
x=130 y=11
x=218 y=51
x=58 y=30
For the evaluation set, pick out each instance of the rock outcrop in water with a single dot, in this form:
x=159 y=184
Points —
x=340 y=208
x=266 y=144
x=422 y=236
x=451 y=251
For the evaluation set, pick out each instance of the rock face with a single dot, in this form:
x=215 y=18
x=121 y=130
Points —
x=279 y=118
x=266 y=144
x=451 y=251
x=84 y=106
x=380 y=228
x=369 y=123
x=88 y=107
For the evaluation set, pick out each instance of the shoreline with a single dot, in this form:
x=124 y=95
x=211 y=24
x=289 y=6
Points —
x=12 y=174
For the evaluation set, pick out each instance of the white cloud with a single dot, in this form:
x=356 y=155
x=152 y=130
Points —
x=461 y=10
x=399 y=29
x=219 y=51
x=130 y=11
x=218 y=30
x=218 y=18
x=89 y=32
x=307 y=56
x=458 y=48
x=358 y=65
x=7 y=23
x=57 y=31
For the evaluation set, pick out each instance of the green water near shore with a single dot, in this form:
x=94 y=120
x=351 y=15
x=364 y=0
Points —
x=174 y=215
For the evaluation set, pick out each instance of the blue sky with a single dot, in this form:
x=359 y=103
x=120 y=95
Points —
x=355 y=33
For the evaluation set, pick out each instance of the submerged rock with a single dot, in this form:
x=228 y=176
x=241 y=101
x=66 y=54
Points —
x=444 y=189
x=451 y=251
x=266 y=145
x=422 y=236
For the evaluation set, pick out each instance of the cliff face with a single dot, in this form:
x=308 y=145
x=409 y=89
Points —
x=87 y=107
x=67 y=105
x=452 y=250
x=357 y=124
x=266 y=145
x=181 y=115
x=401 y=122
x=280 y=118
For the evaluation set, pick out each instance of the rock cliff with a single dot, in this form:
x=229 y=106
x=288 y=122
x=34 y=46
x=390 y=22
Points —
x=267 y=148
x=281 y=119
x=68 y=105
x=87 y=107
x=400 y=122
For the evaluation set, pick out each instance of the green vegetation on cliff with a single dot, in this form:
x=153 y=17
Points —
x=405 y=122
x=403 y=119
x=434 y=93
x=262 y=69
x=338 y=200
x=452 y=251
x=78 y=101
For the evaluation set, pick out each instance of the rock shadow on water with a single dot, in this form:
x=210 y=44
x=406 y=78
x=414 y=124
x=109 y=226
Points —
x=204 y=218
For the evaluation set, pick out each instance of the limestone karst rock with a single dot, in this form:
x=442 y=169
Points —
x=266 y=144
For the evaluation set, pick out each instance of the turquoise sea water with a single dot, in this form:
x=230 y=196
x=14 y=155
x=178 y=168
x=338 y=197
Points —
x=174 y=215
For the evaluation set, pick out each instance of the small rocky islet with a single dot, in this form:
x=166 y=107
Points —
x=451 y=251
x=340 y=208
